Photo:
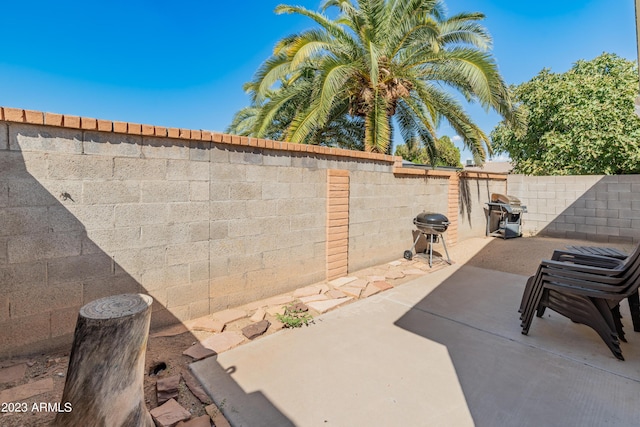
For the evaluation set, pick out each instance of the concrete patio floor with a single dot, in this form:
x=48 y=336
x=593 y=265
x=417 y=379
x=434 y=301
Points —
x=444 y=349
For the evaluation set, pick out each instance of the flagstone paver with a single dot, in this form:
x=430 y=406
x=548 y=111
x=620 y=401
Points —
x=196 y=388
x=216 y=416
x=230 y=315
x=201 y=421
x=276 y=325
x=394 y=275
x=258 y=315
x=275 y=310
x=370 y=290
x=167 y=388
x=319 y=297
x=215 y=344
x=254 y=330
x=341 y=281
x=382 y=285
x=324 y=306
x=306 y=292
x=27 y=390
x=12 y=373
x=360 y=283
x=278 y=300
x=169 y=414
x=413 y=272
x=208 y=324
x=351 y=290
x=335 y=294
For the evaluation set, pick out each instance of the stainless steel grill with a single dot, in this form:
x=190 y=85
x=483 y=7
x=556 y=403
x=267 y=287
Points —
x=505 y=216
x=431 y=225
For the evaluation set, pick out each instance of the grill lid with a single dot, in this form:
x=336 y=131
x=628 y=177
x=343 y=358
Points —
x=504 y=199
x=431 y=218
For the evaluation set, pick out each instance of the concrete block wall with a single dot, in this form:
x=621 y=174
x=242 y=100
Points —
x=475 y=191
x=383 y=207
x=200 y=221
x=599 y=208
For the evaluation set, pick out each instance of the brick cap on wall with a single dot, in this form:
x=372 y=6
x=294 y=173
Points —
x=86 y=123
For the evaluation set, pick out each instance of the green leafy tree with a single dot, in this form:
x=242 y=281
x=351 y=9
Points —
x=377 y=60
x=445 y=153
x=578 y=122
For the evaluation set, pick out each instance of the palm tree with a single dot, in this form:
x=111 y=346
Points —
x=378 y=59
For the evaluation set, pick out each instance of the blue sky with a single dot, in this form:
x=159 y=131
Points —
x=183 y=64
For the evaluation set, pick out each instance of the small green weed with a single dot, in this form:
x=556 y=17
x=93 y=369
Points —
x=294 y=317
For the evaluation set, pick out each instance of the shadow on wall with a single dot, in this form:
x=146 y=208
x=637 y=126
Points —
x=475 y=192
x=596 y=208
x=464 y=196
x=50 y=268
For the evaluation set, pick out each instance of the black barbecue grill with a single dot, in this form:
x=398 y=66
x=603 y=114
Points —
x=505 y=216
x=430 y=225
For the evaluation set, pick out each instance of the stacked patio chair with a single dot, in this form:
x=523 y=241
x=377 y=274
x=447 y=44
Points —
x=596 y=250
x=587 y=289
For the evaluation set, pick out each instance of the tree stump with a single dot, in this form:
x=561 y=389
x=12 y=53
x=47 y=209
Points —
x=105 y=379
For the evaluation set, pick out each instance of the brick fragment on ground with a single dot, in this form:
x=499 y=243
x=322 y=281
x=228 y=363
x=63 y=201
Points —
x=258 y=315
x=351 y=290
x=216 y=416
x=196 y=388
x=201 y=421
x=26 y=391
x=169 y=414
x=341 y=281
x=335 y=294
x=12 y=373
x=213 y=345
x=256 y=329
x=324 y=306
x=167 y=388
x=230 y=315
x=376 y=278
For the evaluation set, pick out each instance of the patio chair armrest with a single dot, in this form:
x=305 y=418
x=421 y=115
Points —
x=590 y=289
x=568 y=266
x=583 y=259
x=567 y=274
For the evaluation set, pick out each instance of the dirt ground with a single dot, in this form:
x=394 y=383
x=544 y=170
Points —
x=518 y=256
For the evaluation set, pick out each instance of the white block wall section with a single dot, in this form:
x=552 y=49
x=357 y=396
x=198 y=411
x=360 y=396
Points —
x=586 y=207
